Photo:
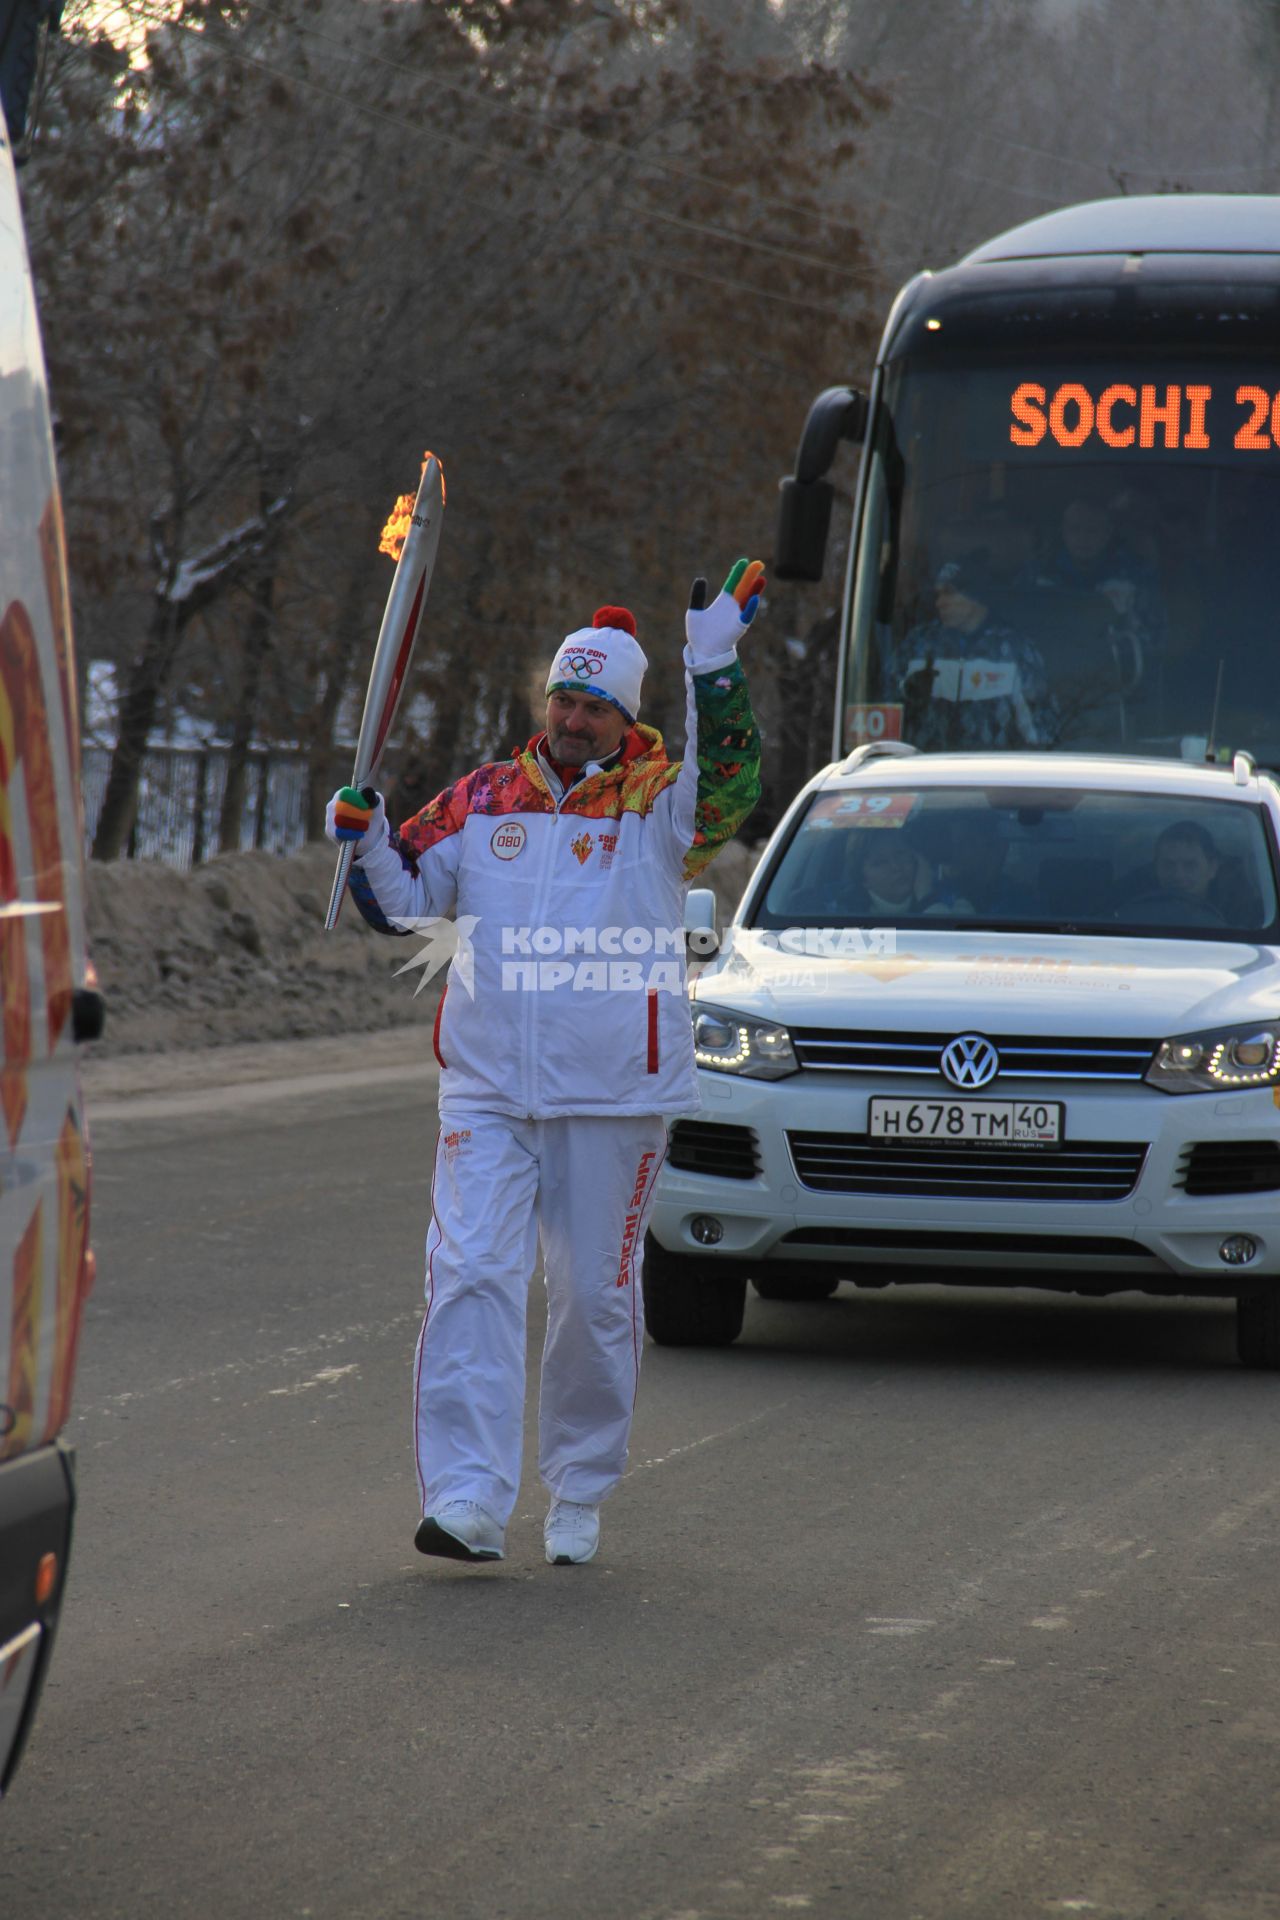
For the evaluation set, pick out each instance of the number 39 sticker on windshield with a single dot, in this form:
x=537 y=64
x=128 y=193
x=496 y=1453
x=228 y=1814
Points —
x=877 y=809
x=863 y=810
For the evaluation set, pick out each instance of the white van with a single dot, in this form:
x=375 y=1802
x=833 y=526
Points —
x=48 y=1001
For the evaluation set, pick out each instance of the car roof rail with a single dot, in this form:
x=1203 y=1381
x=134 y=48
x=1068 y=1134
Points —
x=875 y=750
x=1243 y=768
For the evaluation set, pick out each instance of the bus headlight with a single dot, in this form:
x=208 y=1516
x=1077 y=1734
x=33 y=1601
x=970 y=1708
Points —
x=736 y=1043
x=1213 y=1062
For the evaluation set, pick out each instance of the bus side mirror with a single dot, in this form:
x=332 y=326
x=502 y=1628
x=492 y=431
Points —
x=804 y=520
x=26 y=28
x=804 y=506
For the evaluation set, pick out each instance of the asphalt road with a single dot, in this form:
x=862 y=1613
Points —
x=911 y=1604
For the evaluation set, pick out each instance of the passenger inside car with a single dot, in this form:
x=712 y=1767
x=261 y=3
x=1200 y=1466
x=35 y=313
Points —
x=864 y=873
x=888 y=875
x=1189 y=880
x=885 y=874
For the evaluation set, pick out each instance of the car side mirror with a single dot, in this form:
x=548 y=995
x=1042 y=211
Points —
x=700 y=937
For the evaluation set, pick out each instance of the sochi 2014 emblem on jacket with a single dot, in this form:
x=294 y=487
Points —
x=582 y=848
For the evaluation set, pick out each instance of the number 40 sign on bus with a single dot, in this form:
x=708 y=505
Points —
x=864 y=722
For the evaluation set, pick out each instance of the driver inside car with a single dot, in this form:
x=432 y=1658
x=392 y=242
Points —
x=1187 y=863
x=1188 y=881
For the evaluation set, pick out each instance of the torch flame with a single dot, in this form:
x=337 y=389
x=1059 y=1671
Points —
x=397 y=527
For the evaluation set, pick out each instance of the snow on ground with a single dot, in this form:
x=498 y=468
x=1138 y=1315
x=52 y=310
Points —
x=236 y=951
x=233 y=955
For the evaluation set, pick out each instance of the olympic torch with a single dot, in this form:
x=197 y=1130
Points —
x=412 y=533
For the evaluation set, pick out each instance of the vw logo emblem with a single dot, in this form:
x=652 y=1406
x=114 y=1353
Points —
x=970 y=1061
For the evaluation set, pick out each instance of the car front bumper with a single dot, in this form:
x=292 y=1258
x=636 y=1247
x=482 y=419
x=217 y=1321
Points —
x=1157 y=1237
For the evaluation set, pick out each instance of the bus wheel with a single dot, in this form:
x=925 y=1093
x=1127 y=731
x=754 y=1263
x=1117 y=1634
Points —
x=687 y=1303
x=1258 y=1328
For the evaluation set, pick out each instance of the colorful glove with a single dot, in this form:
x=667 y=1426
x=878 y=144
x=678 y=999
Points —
x=356 y=813
x=713 y=632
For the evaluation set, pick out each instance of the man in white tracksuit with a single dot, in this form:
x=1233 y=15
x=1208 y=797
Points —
x=563 y=1039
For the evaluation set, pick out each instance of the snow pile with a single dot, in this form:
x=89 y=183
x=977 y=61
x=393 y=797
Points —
x=236 y=951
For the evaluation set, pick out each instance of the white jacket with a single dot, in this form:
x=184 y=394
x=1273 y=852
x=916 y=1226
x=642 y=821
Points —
x=567 y=994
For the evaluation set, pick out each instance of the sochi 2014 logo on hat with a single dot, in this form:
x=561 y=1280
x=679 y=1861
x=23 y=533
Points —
x=509 y=839
x=582 y=665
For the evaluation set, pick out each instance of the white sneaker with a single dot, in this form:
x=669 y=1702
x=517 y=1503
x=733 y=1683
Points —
x=460 y=1530
x=571 y=1532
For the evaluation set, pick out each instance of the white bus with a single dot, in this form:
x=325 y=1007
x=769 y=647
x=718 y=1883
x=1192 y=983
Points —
x=1068 y=491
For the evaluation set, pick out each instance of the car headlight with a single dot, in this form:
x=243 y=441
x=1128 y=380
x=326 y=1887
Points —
x=1214 y=1062
x=735 y=1043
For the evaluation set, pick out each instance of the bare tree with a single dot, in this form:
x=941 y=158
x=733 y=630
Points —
x=592 y=262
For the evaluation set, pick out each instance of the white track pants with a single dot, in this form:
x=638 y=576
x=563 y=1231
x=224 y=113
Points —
x=584 y=1186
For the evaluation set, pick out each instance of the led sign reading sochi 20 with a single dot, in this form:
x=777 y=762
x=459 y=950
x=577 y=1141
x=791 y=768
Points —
x=1161 y=415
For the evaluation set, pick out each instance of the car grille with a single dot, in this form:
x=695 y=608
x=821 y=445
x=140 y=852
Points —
x=853 y=1163
x=1018 y=1246
x=1230 y=1166
x=1022 y=1056
x=705 y=1146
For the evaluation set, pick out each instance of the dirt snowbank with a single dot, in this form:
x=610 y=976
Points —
x=235 y=952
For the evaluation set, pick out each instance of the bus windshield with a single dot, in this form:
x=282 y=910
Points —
x=1069 y=552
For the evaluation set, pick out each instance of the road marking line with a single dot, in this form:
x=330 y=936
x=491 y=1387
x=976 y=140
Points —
x=1234 y=1517
x=363 y=1330
x=325 y=1378
x=690 y=1446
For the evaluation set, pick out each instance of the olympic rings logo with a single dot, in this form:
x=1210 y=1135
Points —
x=581 y=666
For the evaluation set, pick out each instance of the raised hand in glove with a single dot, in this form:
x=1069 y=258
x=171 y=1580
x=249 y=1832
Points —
x=713 y=632
x=356 y=813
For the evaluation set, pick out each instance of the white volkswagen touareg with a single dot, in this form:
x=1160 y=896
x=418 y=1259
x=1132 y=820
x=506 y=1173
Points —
x=981 y=1018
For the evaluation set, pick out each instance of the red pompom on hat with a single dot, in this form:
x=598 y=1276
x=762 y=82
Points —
x=615 y=617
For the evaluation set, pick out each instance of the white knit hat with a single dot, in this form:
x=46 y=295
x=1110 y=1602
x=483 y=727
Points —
x=604 y=660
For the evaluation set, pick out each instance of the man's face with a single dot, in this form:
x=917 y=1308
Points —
x=959 y=610
x=582 y=728
x=889 y=867
x=1183 y=867
x=1085 y=531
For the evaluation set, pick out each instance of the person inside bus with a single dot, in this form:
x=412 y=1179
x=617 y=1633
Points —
x=966 y=680
x=1094 y=556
